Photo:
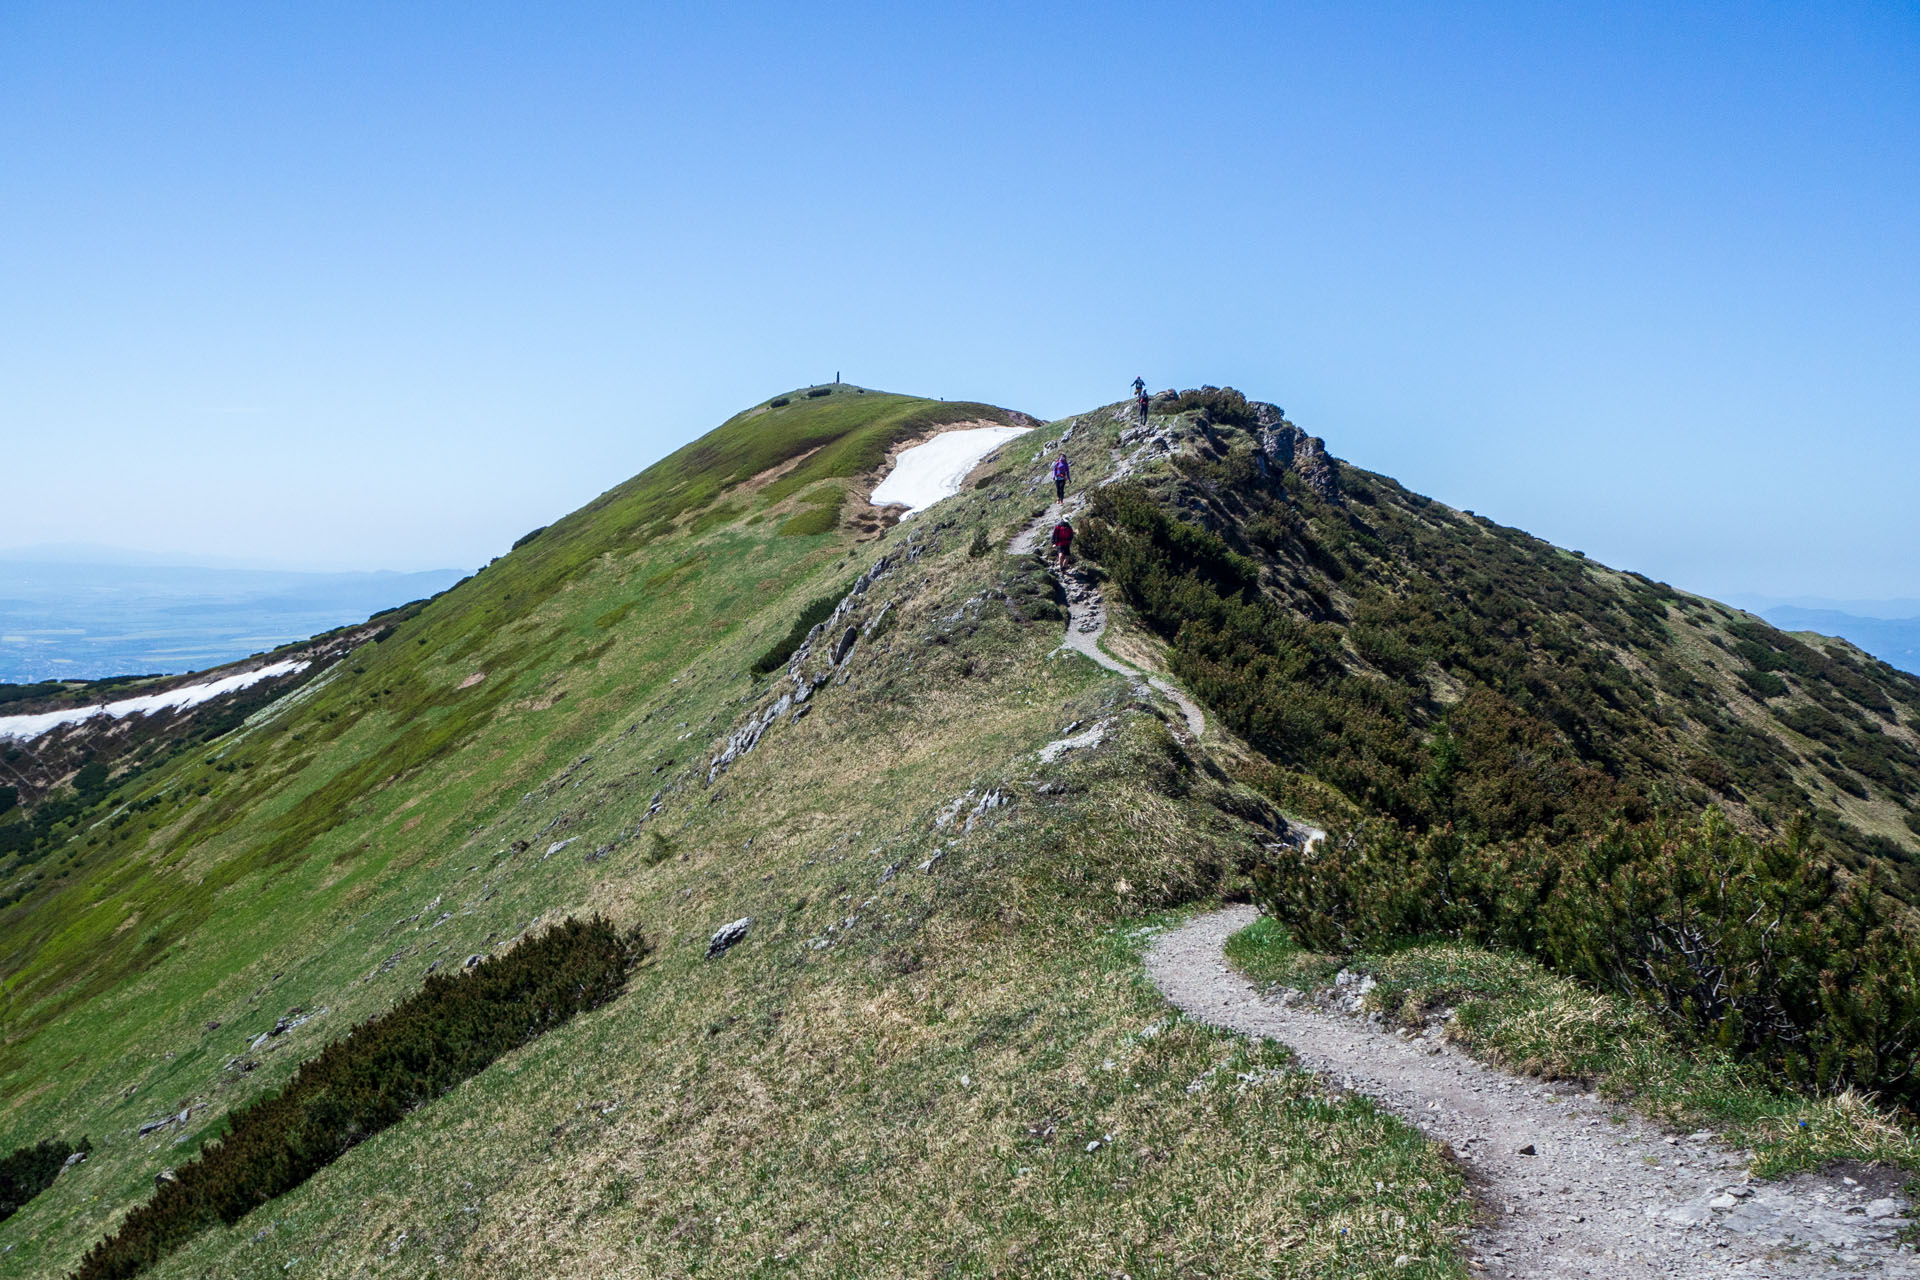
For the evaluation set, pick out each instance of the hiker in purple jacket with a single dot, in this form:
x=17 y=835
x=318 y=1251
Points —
x=1060 y=470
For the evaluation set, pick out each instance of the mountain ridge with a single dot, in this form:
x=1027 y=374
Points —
x=945 y=849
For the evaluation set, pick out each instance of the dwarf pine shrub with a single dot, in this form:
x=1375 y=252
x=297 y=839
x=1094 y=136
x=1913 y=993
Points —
x=31 y=1170
x=1222 y=404
x=361 y=1084
x=1761 y=947
x=810 y=617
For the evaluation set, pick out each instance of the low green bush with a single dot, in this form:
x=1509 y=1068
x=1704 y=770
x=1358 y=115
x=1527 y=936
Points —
x=370 y=1079
x=810 y=617
x=809 y=522
x=1760 y=947
x=31 y=1170
x=980 y=544
x=1222 y=404
x=779 y=402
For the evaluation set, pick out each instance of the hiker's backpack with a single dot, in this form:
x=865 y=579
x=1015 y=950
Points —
x=1059 y=468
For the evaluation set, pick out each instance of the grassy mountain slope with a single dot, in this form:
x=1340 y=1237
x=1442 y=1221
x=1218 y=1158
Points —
x=933 y=1049
x=1440 y=669
x=1518 y=748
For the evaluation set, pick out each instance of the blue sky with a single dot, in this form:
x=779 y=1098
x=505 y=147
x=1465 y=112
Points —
x=383 y=286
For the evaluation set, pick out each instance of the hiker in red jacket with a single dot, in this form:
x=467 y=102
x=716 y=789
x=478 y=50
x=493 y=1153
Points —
x=1060 y=471
x=1063 y=541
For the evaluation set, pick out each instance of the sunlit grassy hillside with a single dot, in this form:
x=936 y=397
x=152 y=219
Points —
x=933 y=1051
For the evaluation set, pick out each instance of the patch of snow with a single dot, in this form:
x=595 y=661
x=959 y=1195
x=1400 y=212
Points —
x=24 y=728
x=926 y=473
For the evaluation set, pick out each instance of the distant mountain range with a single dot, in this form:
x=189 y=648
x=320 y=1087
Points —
x=71 y=616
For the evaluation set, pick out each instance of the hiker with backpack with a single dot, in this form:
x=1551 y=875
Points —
x=1063 y=542
x=1060 y=472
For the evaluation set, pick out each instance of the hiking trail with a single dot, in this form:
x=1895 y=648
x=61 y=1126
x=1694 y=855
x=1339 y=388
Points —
x=1087 y=611
x=1570 y=1186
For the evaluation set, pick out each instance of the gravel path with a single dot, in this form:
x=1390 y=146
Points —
x=1087 y=615
x=1569 y=1186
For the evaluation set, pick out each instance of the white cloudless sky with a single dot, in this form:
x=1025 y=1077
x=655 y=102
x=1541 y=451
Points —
x=385 y=285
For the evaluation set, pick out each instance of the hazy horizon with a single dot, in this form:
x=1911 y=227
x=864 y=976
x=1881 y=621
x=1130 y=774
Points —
x=380 y=286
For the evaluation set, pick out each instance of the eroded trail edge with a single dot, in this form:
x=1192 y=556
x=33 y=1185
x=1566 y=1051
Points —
x=1570 y=1186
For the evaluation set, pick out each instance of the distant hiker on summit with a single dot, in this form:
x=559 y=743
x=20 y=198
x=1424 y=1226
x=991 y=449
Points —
x=1060 y=472
x=1063 y=542
x=1140 y=397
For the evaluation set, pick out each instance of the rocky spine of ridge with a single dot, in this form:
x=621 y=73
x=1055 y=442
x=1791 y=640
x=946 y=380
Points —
x=1282 y=445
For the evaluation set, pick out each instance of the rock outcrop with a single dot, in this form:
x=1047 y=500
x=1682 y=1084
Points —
x=727 y=935
x=1284 y=446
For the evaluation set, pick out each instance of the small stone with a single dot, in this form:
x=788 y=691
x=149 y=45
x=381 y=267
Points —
x=1725 y=1200
x=474 y=960
x=1528 y=1150
x=1883 y=1208
x=1094 y=1145
x=165 y=1176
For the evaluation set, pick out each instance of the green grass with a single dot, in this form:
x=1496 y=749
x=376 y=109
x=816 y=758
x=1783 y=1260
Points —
x=897 y=1072
x=400 y=817
x=810 y=522
x=1510 y=1011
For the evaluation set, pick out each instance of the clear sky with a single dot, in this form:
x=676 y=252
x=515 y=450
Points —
x=385 y=285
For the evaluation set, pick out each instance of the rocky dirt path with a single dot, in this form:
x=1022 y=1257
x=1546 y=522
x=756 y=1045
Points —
x=1570 y=1186
x=1087 y=614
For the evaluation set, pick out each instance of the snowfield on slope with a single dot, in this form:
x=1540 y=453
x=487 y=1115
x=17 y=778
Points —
x=25 y=728
x=926 y=473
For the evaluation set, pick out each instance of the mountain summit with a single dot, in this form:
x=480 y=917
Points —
x=893 y=805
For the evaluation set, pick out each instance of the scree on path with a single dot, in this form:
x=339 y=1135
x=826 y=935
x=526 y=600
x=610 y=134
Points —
x=1568 y=1186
